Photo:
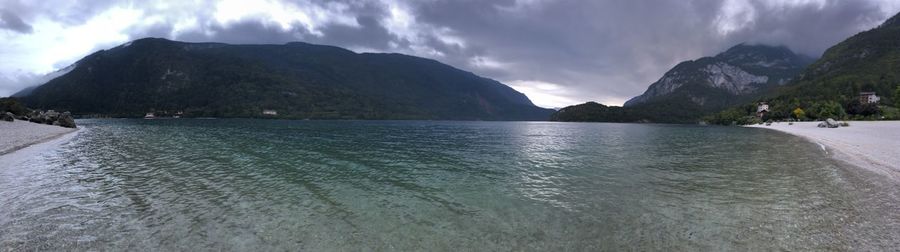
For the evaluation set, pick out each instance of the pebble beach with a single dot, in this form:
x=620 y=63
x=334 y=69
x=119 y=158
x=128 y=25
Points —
x=20 y=134
x=874 y=145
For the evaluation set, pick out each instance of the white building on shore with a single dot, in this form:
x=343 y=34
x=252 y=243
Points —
x=868 y=98
x=762 y=109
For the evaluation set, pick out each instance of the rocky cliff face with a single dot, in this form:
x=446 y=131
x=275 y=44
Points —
x=739 y=71
x=732 y=78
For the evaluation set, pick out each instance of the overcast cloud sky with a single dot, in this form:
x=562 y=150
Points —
x=558 y=52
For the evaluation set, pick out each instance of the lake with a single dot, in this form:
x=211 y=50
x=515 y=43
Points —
x=241 y=184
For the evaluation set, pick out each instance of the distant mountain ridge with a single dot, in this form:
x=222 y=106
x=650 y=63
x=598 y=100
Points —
x=714 y=82
x=298 y=80
x=867 y=61
x=830 y=87
x=695 y=88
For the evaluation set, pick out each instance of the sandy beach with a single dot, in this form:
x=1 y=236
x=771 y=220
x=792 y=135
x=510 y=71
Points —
x=873 y=145
x=20 y=134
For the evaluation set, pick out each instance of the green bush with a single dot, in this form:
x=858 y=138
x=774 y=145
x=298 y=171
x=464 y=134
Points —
x=890 y=113
x=14 y=106
x=897 y=97
x=828 y=109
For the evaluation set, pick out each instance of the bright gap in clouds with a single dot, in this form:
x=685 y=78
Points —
x=556 y=96
x=53 y=46
x=544 y=94
x=27 y=58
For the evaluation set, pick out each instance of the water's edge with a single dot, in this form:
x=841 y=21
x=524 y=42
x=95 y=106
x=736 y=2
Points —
x=44 y=139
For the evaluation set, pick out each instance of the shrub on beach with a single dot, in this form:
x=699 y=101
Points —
x=13 y=106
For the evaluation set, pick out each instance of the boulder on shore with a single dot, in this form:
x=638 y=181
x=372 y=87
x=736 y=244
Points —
x=51 y=117
x=35 y=117
x=66 y=120
x=11 y=110
x=831 y=123
x=9 y=117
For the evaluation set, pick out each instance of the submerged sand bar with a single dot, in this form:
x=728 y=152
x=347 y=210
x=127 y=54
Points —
x=873 y=145
x=20 y=134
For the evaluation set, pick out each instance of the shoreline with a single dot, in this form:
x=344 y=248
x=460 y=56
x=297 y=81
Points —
x=20 y=134
x=871 y=145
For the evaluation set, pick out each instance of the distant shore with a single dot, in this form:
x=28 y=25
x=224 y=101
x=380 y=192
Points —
x=874 y=145
x=20 y=134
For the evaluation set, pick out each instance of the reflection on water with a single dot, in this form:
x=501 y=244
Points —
x=356 y=185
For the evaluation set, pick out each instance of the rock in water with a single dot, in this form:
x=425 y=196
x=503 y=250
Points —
x=66 y=120
x=822 y=125
x=9 y=117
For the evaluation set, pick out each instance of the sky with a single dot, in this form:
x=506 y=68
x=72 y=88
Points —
x=558 y=52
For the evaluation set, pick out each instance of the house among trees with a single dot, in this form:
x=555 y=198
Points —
x=868 y=98
x=762 y=109
x=270 y=112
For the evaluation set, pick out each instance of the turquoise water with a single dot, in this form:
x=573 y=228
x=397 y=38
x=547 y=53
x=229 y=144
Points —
x=408 y=185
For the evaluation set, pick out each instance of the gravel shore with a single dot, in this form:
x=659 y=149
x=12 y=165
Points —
x=20 y=134
x=873 y=145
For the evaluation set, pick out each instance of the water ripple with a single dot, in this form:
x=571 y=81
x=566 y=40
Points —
x=356 y=185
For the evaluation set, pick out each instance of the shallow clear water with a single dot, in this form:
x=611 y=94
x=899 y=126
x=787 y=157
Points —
x=383 y=185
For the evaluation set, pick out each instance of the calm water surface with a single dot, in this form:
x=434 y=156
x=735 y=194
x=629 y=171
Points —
x=381 y=185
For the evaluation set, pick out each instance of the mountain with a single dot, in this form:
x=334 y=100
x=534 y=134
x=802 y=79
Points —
x=699 y=87
x=594 y=112
x=24 y=92
x=673 y=111
x=717 y=82
x=297 y=80
x=866 y=62
x=41 y=80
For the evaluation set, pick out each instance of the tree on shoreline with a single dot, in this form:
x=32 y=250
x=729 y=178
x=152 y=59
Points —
x=13 y=106
x=799 y=114
x=897 y=97
x=828 y=109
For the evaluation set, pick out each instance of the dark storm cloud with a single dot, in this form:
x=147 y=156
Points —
x=583 y=49
x=810 y=29
x=244 y=32
x=575 y=42
x=369 y=34
x=617 y=48
x=11 y=21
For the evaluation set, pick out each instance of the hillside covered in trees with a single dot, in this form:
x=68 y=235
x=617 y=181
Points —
x=295 y=80
x=831 y=87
